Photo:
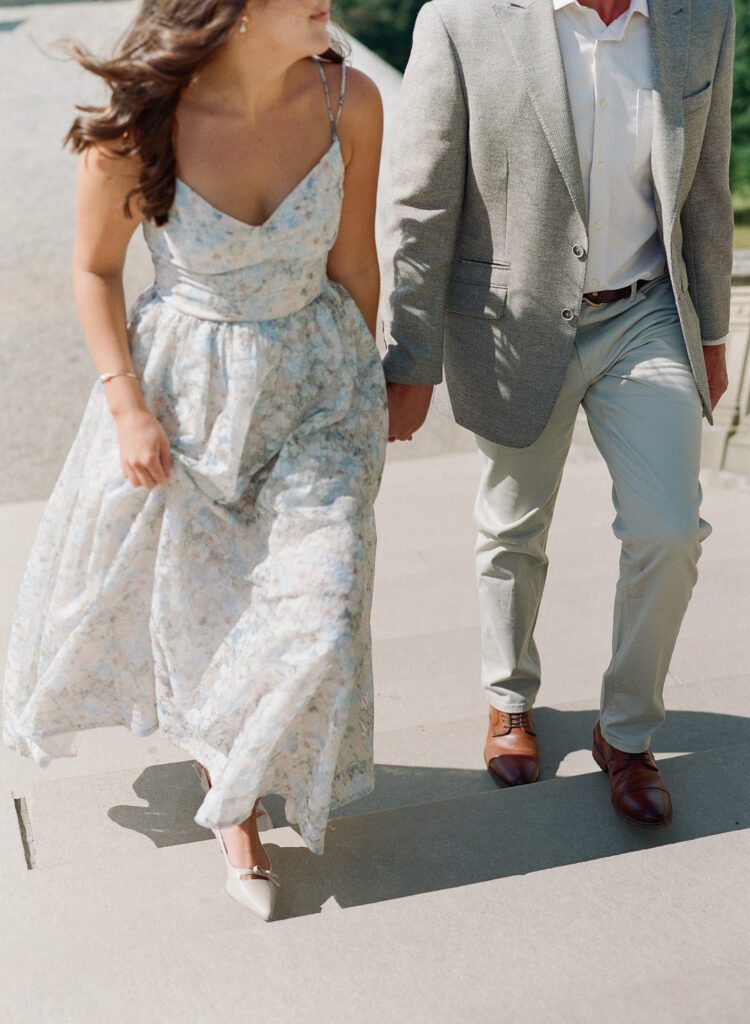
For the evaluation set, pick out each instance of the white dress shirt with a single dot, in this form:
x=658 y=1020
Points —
x=609 y=78
x=608 y=71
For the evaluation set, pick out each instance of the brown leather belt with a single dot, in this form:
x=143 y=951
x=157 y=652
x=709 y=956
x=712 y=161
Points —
x=614 y=295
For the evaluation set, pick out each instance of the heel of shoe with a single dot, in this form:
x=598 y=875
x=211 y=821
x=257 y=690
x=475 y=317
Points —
x=599 y=758
x=203 y=776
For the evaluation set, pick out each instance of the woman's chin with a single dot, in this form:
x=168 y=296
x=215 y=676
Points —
x=322 y=37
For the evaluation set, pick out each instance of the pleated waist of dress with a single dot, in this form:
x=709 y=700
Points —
x=249 y=294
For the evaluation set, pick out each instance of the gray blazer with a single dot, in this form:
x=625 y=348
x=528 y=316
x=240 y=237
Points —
x=483 y=272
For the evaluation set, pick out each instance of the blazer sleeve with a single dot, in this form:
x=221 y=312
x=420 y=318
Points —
x=427 y=168
x=707 y=216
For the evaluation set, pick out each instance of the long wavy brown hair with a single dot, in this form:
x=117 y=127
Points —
x=163 y=50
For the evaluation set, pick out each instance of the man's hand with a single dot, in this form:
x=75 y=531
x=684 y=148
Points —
x=408 y=405
x=716 y=369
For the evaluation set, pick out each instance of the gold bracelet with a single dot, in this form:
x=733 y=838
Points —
x=106 y=377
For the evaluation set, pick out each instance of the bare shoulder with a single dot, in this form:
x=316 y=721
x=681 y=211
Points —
x=359 y=89
x=108 y=184
x=105 y=161
x=361 y=122
x=362 y=95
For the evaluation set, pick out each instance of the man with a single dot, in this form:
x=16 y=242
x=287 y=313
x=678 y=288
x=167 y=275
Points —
x=561 y=234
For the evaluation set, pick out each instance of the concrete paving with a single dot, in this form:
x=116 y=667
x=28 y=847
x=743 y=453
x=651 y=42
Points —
x=440 y=898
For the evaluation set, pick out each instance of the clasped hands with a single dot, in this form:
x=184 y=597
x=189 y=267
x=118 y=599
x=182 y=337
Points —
x=408 y=405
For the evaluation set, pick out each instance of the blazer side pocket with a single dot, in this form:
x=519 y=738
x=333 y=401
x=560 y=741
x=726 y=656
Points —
x=478 y=288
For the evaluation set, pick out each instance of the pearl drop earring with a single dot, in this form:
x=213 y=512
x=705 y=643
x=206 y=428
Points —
x=243 y=24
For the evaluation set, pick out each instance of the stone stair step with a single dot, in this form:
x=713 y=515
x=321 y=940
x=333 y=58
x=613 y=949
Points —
x=435 y=762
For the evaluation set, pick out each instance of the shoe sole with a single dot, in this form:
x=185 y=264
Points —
x=601 y=761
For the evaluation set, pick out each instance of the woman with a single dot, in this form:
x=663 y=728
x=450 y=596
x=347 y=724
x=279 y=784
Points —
x=204 y=566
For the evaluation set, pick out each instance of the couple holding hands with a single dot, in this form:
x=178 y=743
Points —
x=558 y=233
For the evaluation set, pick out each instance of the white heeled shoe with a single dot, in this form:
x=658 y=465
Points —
x=254 y=887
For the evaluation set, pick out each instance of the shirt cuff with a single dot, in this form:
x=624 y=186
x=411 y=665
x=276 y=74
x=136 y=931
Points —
x=718 y=341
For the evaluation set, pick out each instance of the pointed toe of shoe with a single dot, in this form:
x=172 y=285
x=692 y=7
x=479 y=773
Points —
x=255 y=894
x=650 y=808
x=514 y=769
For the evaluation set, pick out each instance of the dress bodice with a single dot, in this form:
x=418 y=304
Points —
x=212 y=266
x=215 y=267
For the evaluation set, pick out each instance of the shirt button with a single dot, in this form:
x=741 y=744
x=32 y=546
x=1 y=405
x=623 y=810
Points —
x=598 y=225
x=579 y=252
x=601 y=165
x=603 y=104
x=567 y=314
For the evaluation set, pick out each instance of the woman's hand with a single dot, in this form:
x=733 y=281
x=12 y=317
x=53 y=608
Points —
x=144 y=448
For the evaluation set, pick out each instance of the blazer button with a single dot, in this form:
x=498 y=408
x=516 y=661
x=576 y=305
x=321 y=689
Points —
x=567 y=314
x=579 y=252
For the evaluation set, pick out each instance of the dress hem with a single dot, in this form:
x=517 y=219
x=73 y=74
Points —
x=54 y=746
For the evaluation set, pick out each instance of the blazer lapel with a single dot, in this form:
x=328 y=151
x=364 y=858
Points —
x=532 y=35
x=670 y=38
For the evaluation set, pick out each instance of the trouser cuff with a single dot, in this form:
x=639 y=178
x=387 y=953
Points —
x=628 y=746
x=509 y=707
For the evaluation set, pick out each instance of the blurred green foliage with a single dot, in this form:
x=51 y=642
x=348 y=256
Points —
x=741 y=115
x=385 y=26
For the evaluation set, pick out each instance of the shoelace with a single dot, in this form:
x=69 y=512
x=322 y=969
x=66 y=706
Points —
x=516 y=719
x=644 y=757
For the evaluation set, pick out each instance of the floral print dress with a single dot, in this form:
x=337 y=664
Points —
x=228 y=608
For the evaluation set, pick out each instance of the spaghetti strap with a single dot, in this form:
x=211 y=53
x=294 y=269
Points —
x=332 y=118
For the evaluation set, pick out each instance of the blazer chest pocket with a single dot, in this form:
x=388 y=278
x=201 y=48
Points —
x=478 y=289
x=697 y=102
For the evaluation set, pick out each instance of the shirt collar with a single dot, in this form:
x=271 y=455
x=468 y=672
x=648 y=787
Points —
x=636 y=6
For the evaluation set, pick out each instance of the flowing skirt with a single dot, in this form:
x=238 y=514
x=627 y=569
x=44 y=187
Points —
x=228 y=608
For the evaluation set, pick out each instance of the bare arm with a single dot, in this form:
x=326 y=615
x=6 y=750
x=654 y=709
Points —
x=353 y=261
x=103 y=233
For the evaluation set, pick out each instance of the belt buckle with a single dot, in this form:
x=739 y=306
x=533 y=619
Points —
x=594 y=305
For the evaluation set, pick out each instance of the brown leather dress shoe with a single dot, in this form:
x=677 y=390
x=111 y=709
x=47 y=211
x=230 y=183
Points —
x=639 y=793
x=511 y=752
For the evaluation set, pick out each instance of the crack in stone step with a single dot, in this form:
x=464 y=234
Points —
x=26 y=831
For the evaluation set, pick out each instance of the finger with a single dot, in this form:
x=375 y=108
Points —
x=156 y=470
x=165 y=454
x=145 y=478
x=129 y=473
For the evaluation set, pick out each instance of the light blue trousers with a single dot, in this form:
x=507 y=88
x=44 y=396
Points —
x=629 y=369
